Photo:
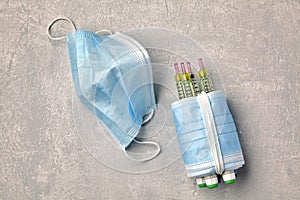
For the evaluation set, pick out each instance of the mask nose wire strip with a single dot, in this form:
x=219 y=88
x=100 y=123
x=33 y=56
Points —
x=212 y=134
x=143 y=159
x=104 y=31
x=53 y=22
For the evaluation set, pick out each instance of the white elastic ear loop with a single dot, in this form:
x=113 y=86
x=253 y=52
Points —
x=104 y=31
x=55 y=20
x=148 y=117
x=143 y=159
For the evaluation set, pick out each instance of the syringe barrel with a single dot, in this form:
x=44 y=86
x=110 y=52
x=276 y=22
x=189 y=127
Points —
x=195 y=84
x=188 y=88
x=179 y=86
x=205 y=81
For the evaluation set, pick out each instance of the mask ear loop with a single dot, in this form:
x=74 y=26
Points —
x=146 y=119
x=104 y=31
x=53 y=22
x=143 y=159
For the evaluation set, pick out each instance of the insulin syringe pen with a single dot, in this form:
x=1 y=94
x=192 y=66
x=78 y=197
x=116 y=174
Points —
x=204 y=79
x=207 y=86
x=193 y=78
x=187 y=83
x=178 y=81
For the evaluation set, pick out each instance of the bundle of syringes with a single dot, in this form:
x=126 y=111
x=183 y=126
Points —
x=205 y=128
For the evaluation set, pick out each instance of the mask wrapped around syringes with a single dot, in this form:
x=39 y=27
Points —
x=205 y=128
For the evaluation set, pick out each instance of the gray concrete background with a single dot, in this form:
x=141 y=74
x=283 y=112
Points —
x=256 y=45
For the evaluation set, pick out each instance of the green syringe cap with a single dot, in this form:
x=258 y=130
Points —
x=211 y=181
x=201 y=182
x=229 y=177
x=212 y=186
x=203 y=185
x=230 y=182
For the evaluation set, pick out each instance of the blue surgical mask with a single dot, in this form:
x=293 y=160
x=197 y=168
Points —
x=207 y=135
x=113 y=79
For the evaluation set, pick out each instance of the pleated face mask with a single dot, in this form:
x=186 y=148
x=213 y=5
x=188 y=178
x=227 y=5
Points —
x=113 y=79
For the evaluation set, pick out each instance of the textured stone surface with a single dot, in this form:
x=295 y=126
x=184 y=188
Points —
x=256 y=45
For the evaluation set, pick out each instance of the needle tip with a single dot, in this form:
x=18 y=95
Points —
x=183 y=68
x=189 y=67
x=201 y=63
x=176 y=68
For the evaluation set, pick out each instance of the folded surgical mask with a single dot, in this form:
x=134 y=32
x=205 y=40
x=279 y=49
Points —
x=206 y=130
x=113 y=79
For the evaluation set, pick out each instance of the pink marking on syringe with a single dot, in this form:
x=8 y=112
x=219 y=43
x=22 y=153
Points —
x=183 y=68
x=201 y=63
x=176 y=68
x=189 y=67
